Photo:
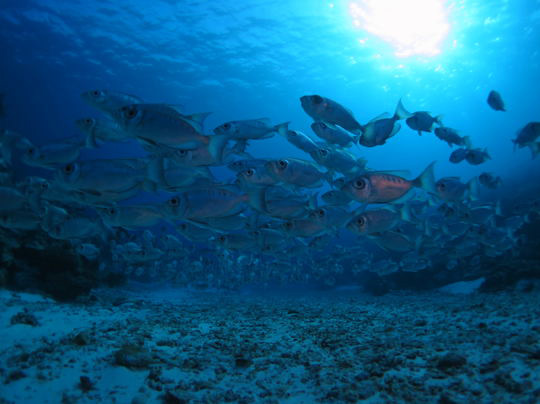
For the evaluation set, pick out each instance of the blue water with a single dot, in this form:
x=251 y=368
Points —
x=250 y=59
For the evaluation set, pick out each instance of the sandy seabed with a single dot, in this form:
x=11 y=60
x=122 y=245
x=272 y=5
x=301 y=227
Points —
x=178 y=346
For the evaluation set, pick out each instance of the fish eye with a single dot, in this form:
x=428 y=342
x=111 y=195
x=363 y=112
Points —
x=441 y=186
x=68 y=169
x=44 y=185
x=323 y=125
x=361 y=221
x=317 y=99
x=323 y=152
x=221 y=239
x=226 y=126
x=31 y=151
x=283 y=163
x=182 y=152
x=96 y=93
x=88 y=121
x=359 y=183
x=112 y=211
x=183 y=226
x=321 y=212
x=174 y=201
x=250 y=172
x=131 y=112
x=288 y=225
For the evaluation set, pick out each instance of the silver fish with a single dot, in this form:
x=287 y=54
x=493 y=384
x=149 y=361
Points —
x=334 y=134
x=297 y=172
x=131 y=217
x=102 y=130
x=53 y=155
x=329 y=111
x=97 y=176
x=109 y=101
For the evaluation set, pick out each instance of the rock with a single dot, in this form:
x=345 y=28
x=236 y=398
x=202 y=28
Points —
x=451 y=360
x=85 y=384
x=81 y=339
x=24 y=318
x=15 y=375
x=133 y=356
x=506 y=381
x=241 y=362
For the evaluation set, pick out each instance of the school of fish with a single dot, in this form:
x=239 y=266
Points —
x=285 y=218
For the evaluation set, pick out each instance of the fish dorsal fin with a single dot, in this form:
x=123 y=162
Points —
x=196 y=120
x=384 y=115
x=398 y=173
x=176 y=107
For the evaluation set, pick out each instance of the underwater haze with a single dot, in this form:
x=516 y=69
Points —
x=269 y=201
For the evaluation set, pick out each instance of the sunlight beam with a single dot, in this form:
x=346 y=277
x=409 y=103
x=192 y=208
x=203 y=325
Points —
x=412 y=27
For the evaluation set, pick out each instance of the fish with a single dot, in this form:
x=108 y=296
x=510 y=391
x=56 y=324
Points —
x=374 y=221
x=379 y=187
x=194 y=232
x=338 y=160
x=477 y=156
x=12 y=199
x=242 y=165
x=527 y=137
x=101 y=130
x=88 y=250
x=104 y=175
x=171 y=176
x=279 y=202
x=336 y=197
x=329 y=111
x=260 y=128
x=458 y=155
x=53 y=155
x=452 y=137
x=161 y=124
x=20 y=220
x=332 y=217
x=395 y=241
x=206 y=202
x=451 y=189
x=377 y=131
x=256 y=177
x=301 y=141
x=78 y=228
x=334 y=134
x=236 y=241
x=109 y=102
x=130 y=216
x=422 y=121
x=304 y=228
x=495 y=101
x=297 y=172
x=489 y=180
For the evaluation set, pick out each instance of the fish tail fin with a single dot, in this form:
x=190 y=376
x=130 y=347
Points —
x=467 y=142
x=217 y=144
x=472 y=189
x=535 y=149
x=257 y=199
x=401 y=112
x=90 y=141
x=282 y=127
x=426 y=180
x=155 y=171
x=405 y=213
x=312 y=202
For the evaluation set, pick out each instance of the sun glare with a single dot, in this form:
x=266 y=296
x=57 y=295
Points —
x=412 y=27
